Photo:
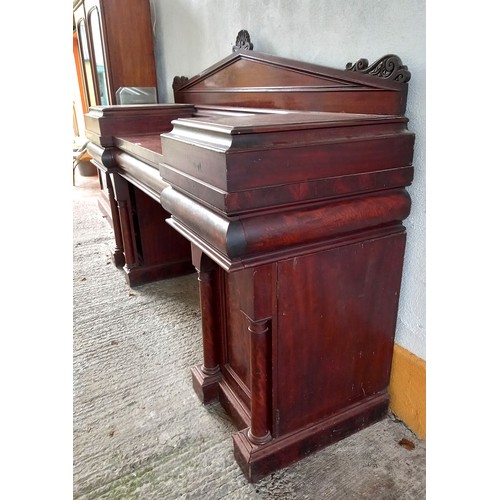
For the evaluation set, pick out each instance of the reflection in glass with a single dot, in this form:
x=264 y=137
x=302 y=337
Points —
x=87 y=68
x=95 y=30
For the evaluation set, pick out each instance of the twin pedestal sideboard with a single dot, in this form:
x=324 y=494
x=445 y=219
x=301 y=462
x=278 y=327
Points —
x=283 y=184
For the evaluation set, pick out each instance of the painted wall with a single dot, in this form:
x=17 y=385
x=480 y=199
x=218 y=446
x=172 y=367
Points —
x=191 y=35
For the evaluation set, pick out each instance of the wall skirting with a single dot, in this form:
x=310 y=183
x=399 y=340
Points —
x=407 y=389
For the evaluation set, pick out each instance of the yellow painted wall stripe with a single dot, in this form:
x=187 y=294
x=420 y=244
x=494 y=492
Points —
x=407 y=389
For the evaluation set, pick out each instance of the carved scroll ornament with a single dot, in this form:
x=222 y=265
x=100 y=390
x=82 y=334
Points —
x=243 y=41
x=389 y=67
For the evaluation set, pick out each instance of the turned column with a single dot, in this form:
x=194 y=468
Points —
x=118 y=251
x=105 y=162
x=259 y=432
x=122 y=197
x=206 y=377
x=208 y=298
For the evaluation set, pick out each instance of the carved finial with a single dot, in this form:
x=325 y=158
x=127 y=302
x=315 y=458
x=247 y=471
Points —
x=179 y=81
x=243 y=41
x=389 y=67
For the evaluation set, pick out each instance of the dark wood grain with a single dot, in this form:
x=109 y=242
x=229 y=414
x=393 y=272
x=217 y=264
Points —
x=103 y=123
x=253 y=79
x=338 y=308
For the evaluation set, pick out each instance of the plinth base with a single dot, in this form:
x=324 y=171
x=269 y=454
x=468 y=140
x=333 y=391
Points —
x=206 y=386
x=257 y=461
x=141 y=275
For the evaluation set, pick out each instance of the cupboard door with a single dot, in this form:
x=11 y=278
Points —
x=337 y=314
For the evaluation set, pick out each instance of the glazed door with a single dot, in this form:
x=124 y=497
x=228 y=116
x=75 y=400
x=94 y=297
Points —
x=99 y=66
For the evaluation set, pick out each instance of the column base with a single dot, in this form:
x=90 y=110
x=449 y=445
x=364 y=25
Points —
x=206 y=386
x=118 y=257
x=257 y=461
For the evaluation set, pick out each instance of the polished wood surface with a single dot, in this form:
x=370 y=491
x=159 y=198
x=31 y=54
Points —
x=104 y=123
x=242 y=163
x=251 y=79
x=294 y=219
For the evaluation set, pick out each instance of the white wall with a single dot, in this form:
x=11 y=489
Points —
x=191 y=35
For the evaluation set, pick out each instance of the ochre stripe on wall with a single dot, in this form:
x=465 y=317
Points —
x=407 y=389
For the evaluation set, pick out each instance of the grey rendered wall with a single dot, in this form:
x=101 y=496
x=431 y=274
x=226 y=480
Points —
x=191 y=35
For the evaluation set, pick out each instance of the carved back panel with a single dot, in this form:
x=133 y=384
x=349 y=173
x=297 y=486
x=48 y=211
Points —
x=252 y=79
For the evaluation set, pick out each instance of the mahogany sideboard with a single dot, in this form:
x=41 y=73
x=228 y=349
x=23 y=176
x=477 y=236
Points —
x=284 y=184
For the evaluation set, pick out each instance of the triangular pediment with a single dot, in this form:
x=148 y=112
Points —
x=248 y=69
x=248 y=73
x=249 y=78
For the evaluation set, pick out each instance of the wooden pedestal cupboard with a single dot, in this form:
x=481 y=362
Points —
x=287 y=183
